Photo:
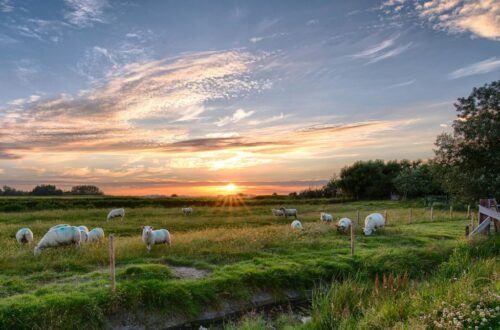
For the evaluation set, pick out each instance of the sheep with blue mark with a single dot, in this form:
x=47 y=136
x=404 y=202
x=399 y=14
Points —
x=344 y=225
x=151 y=237
x=95 y=235
x=373 y=222
x=84 y=232
x=326 y=217
x=296 y=224
x=58 y=236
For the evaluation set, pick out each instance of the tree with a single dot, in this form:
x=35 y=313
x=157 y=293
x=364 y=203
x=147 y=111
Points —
x=468 y=160
x=85 y=190
x=46 y=190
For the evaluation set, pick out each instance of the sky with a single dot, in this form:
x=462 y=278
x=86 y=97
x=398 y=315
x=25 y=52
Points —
x=162 y=97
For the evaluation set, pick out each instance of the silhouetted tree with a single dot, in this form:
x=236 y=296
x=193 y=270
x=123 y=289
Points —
x=46 y=190
x=85 y=190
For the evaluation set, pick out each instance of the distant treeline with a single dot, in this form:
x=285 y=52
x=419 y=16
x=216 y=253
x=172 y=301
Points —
x=51 y=190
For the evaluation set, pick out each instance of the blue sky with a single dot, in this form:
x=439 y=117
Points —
x=167 y=96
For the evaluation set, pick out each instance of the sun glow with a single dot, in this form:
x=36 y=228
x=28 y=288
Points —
x=230 y=188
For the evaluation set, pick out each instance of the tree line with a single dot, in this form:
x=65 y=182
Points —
x=465 y=166
x=51 y=190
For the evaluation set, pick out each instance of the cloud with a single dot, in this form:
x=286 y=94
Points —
x=237 y=116
x=403 y=84
x=271 y=36
x=313 y=21
x=84 y=13
x=105 y=116
x=382 y=50
x=373 y=50
x=391 y=53
x=481 y=67
x=481 y=17
x=6 y=6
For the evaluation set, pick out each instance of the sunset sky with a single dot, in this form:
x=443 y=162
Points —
x=162 y=97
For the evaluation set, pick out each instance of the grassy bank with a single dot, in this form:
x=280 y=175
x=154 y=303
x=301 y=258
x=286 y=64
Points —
x=244 y=248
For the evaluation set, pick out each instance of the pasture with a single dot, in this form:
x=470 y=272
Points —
x=238 y=250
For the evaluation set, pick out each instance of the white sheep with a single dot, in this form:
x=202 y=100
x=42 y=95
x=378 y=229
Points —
x=326 y=217
x=296 y=224
x=24 y=235
x=83 y=228
x=151 y=237
x=373 y=222
x=58 y=226
x=95 y=234
x=116 y=213
x=278 y=212
x=187 y=210
x=344 y=225
x=60 y=235
x=289 y=212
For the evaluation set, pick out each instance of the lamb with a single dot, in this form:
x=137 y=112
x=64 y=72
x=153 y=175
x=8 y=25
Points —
x=278 y=212
x=373 y=222
x=187 y=210
x=24 y=235
x=326 y=217
x=344 y=225
x=116 y=213
x=151 y=237
x=61 y=235
x=95 y=234
x=84 y=232
x=289 y=212
x=296 y=224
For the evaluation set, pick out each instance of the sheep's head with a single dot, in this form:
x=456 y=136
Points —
x=37 y=251
x=367 y=231
x=147 y=231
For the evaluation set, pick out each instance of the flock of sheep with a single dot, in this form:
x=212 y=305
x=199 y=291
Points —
x=65 y=234
x=372 y=221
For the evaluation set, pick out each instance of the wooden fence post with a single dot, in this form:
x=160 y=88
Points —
x=468 y=210
x=352 y=240
x=432 y=213
x=466 y=231
x=112 y=262
x=385 y=217
x=451 y=211
x=472 y=221
x=357 y=217
x=409 y=215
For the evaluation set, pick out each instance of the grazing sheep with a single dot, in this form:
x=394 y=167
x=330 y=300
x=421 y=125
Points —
x=344 y=225
x=116 y=213
x=326 y=217
x=296 y=224
x=152 y=237
x=83 y=228
x=289 y=212
x=278 y=212
x=24 y=235
x=95 y=235
x=57 y=226
x=373 y=222
x=61 y=235
x=187 y=210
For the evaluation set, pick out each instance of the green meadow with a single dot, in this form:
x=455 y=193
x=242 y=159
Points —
x=244 y=250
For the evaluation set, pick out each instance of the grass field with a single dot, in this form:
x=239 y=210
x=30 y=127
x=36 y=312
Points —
x=244 y=249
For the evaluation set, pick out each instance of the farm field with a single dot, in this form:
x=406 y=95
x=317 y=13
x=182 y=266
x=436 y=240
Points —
x=227 y=254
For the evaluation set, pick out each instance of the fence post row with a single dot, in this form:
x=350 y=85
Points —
x=432 y=213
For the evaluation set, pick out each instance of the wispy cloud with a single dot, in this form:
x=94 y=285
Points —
x=402 y=84
x=481 y=67
x=271 y=36
x=481 y=17
x=83 y=13
x=382 y=50
x=390 y=53
x=237 y=116
x=6 y=6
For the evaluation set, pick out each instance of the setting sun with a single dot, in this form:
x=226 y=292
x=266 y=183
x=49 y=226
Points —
x=231 y=188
